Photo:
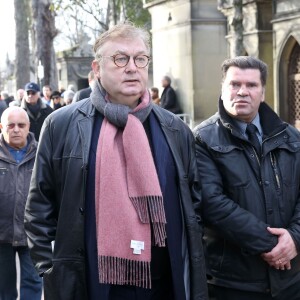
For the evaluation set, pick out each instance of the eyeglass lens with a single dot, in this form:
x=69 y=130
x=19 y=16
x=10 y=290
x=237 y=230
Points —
x=121 y=60
x=12 y=125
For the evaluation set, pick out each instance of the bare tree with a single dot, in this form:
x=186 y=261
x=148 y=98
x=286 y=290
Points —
x=44 y=32
x=22 y=62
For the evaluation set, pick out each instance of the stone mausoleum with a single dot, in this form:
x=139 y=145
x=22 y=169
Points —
x=191 y=38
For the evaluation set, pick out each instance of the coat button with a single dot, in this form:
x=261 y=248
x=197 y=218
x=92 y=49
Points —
x=81 y=209
x=267 y=182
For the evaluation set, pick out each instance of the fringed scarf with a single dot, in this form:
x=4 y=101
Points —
x=128 y=196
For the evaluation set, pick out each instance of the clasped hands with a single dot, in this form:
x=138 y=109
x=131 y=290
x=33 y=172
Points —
x=281 y=255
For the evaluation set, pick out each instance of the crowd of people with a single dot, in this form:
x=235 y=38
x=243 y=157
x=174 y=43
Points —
x=114 y=197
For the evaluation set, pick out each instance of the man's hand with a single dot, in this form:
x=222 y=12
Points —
x=283 y=252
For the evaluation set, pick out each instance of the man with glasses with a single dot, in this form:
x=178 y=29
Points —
x=115 y=186
x=36 y=109
x=17 y=154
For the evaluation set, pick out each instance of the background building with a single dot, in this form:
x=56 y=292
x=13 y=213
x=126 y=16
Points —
x=188 y=42
x=192 y=38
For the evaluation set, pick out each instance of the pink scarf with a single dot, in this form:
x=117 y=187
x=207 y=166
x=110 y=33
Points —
x=128 y=203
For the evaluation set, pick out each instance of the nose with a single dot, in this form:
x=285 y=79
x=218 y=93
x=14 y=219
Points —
x=130 y=67
x=243 y=91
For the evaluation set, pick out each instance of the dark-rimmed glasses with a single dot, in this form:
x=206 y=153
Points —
x=12 y=125
x=31 y=93
x=122 y=60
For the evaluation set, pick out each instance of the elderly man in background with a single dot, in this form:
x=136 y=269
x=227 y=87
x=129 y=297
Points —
x=168 y=99
x=36 y=109
x=115 y=185
x=17 y=154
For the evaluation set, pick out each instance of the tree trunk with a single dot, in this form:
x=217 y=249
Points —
x=237 y=26
x=44 y=34
x=22 y=64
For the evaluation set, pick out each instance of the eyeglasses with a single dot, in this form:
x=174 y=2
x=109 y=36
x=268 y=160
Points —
x=122 y=60
x=12 y=125
x=55 y=97
x=31 y=93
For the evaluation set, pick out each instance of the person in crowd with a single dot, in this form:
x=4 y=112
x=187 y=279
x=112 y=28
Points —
x=168 y=99
x=17 y=154
x=36 y=109
x=5 y=96
x=71 y=88
x=155 y=95
x=85 y=93
x=249 y=164
x=115 y=185
x=68 y=97
x=3 y=106
x=56 y=101
x=19 y=96
x=47 y=91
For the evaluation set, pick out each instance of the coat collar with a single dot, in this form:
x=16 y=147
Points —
x=270 y=122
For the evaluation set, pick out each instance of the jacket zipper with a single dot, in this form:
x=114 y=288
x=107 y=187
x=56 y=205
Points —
x=274 y=166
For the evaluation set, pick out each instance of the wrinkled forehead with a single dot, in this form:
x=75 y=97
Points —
x=15 y=116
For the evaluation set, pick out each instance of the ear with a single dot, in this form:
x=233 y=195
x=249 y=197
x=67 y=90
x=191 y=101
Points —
x=96 y=68
x=1 y=126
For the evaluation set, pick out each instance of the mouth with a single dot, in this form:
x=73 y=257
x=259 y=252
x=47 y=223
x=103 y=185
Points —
x=241 y=101
x=131 y=80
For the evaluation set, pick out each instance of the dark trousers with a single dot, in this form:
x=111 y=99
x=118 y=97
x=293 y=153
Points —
x=30 y=282
x=222 y=293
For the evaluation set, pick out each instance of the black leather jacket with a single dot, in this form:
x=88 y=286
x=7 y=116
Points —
x=56 y=201
x=242 y=196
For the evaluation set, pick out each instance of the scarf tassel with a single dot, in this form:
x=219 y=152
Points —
x=152 y=207
x=121 y=271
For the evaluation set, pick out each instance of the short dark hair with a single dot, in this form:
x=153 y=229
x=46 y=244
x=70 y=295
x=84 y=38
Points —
x=154 y=89
x=55 y=94
x=246 y=62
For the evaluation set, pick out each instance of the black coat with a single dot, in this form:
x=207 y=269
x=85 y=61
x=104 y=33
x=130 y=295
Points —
x=56 y=201
x=82 y=94
x=242 y=197
x=169 y=101
x=36 y=122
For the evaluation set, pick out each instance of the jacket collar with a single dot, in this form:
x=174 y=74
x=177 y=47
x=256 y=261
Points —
x=24 y=105
x=270 y=122
x=4 y=152
x=165 y=118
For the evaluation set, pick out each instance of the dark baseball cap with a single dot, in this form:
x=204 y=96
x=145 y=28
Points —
x=32 y=86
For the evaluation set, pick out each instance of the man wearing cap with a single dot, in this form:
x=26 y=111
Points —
x=36 y=109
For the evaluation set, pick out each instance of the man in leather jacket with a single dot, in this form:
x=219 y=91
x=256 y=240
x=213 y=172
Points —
x=17 y=154
x=251 y=205
x=103 y=166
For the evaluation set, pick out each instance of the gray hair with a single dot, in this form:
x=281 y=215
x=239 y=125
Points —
x=126 y=30
x=246 y=62
x=168 y=79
